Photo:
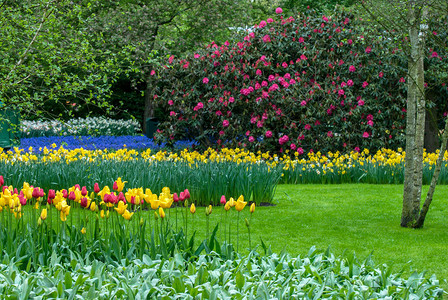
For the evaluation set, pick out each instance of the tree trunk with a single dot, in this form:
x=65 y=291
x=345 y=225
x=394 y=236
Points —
x=435 y=178
x=415 y=120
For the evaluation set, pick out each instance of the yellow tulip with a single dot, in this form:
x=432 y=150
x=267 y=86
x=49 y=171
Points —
x=161 y=212
x=102 y=214
x=240 y=204
x=231 y=202
x=63 y=216
x=83 y=230
x=121 y=207
x=43 y=214
x=192 y=208
x=227 y=206
x=154 y=202
x=119 y=185
x=127 y=215
x=93 y=206
x=252 y=208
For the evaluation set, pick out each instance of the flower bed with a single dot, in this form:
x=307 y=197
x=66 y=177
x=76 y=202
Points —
x=82 y=126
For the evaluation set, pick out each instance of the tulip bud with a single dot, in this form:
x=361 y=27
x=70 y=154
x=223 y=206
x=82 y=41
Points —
x=210 y=209
x=186 y=203
x=92 y=195
x=252 y=208
x=223 y=200
x=39 y=222
x=107 y=214
x=141 y=222
x=161 y=213
x=93 y=206
x=43 y=214
x=96 y=188
x=156 y=216
x=247 y=222
x=84 y=191
x=102 y=214
x=192 y=208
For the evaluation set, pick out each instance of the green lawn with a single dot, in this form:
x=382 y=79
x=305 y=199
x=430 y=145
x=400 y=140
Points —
x=351 y=217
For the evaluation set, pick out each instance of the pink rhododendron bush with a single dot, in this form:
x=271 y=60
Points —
x=291 y=83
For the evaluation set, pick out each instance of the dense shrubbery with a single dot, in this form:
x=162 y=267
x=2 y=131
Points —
x=310 y=82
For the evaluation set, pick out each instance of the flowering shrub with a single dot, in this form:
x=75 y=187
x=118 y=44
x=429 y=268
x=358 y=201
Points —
x=82 y=126
x=310 y=82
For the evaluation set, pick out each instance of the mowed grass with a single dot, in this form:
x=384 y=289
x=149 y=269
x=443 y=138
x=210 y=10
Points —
x=360 y=218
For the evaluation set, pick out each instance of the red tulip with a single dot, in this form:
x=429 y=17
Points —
x=182 y=196
x=22 y=199
x=15 y=191
x=175 y=198
x=84 y=202
x=115 y=186
x=72 y=196
x=84 y=191
x=4 y=188
x=2 y=181
x=77 y=187
x=51 y=194
x=187 y=194
x=223 y=200
x=64 y=194
x=120 y=198
x=96 y=188
x=36 y=193
x=41 y=192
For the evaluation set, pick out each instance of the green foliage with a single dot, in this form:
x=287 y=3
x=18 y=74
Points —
x=315 y=276
x=47 y=57
x=207 y=182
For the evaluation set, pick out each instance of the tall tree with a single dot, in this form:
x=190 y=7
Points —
x=40 y=48
x=408 y=23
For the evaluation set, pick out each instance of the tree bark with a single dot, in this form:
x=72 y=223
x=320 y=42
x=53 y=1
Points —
x=409 y=214
x=415 y=122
